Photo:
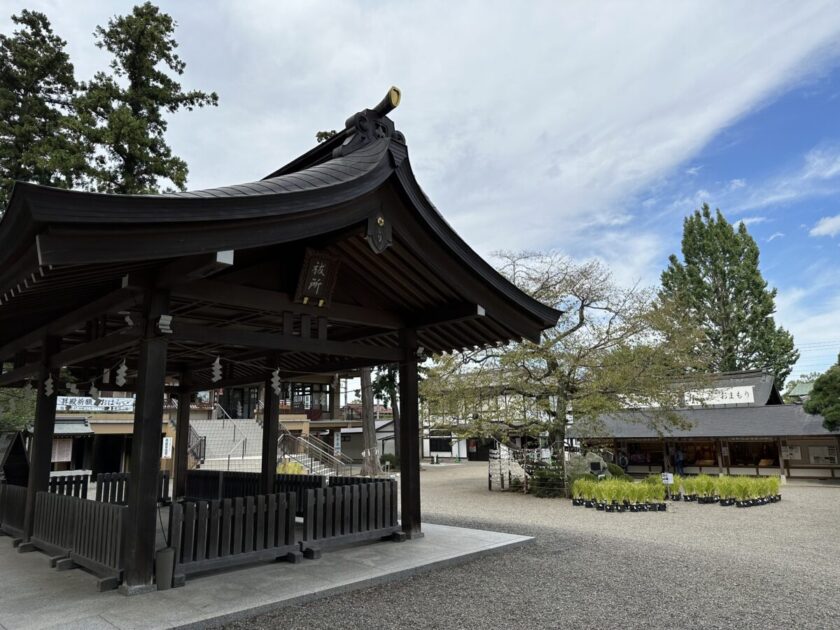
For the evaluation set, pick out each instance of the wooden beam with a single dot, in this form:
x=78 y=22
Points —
x=238 y=296
x=19 y=374
x=114 y=301
x=192 y=268
x=273 y=341
x=114 y=342
x=182 y=436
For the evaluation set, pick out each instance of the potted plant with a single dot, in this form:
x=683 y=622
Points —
x=657 y=496
x=705 y=487
x=742 y=490
x=689 y=489
x=676 y=487
x=725 y=489
x=773 y=484
x=599 y=495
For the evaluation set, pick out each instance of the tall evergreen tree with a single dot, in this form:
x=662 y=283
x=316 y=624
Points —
x=39 y=138
x=127 y=111
x=719 y=285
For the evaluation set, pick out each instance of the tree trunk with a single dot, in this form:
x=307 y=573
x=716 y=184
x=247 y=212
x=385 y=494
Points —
x=395 y=409
x=370 y=454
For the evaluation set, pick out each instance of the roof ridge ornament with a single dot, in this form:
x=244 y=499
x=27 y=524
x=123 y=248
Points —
x=369 y=125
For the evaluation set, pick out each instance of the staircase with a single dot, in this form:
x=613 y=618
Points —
x=313 y=454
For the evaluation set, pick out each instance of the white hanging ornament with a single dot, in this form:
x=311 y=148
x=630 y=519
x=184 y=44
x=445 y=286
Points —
x=120 y=379
x=27 y=389
x=239 y=410
x=106 y=376
x=275 y=381
x=73 y=388
x=94 y=393
x=49 y=386
x=217 y=370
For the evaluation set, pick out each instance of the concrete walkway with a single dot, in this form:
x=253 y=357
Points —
x=32 y=595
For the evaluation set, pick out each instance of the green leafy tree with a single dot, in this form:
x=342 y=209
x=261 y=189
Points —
x=613 y=348
x=126 y=112
x=39 y=137
x=825 y=398
x=17 y=408
x=719 y=286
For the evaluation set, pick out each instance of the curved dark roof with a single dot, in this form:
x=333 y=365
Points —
x=731 y=422
x=59 y=248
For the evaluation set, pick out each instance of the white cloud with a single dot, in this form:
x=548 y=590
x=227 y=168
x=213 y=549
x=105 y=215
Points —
x=752 y=220
x=735 y=184
x=529 y=126
x=774 y=236
x=827 y=226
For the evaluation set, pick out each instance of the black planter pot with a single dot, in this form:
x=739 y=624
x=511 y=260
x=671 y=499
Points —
x=589 y=504
x=778 y=498
x=676 y=497
x=620 y=508
x=727 y=502
x=661 y=507
x=600 y=506
x=609 y=507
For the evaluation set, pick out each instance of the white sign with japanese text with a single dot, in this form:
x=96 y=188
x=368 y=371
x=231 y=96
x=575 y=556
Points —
x=739 y=395
x=86 y=403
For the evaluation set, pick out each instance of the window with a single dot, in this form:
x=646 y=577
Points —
x=440 y=444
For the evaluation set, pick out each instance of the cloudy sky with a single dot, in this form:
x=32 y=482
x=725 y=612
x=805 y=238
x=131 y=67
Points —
x=588 y=127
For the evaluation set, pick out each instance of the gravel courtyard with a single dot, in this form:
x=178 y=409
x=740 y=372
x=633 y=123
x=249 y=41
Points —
x=695 y=566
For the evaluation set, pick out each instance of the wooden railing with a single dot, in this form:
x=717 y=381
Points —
x=78 y=532
x=71 y=485
x=12 y=508
x=113 y=487
x=299 y=484
x=209 y=485
x=349 y=513
x=216 y=534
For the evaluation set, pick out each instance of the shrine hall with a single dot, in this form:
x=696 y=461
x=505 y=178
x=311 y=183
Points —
x=335 y=262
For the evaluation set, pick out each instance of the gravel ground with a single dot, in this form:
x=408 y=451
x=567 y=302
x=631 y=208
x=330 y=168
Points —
x=695 y=566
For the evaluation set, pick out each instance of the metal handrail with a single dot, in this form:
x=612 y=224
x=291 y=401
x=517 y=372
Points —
x=319 y=443
x=313 y=452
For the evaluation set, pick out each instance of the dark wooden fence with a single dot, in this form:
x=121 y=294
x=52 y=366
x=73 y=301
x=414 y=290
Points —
x=113 y=487
x=351 y=481
x=71 y=485
x=12 y=507
x=299 y=484
x=209 y=485
x=215 y=534
x=55 y=523
x=84 y=533
x=348 y=513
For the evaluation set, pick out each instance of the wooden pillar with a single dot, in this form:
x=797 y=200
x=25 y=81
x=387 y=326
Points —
x=409 y=437
x=182 y=437
x=271 y=432
x=42 y=437
x=141 y=518
x=335 y=398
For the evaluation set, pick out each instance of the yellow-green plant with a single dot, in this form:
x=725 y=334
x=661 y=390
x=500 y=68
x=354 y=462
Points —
x=290 y=467
x=677 y=485
x=704 y=485
x=656 y=493
x=690 y=485
x=773 y=484
x=742 y=487
x=725 y=487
